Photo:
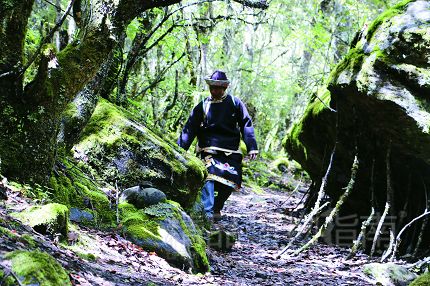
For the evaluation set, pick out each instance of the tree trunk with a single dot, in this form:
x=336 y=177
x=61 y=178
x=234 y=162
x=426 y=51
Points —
x=14 y=15
x=30 y=120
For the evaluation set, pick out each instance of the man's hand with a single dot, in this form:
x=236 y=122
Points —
x=252 y=156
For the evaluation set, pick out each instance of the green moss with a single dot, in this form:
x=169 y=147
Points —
x=160 y=210
x=112 y=138
x=389 y=273
x=104 y=126
x=74 y=188
x=6 y=280
x=198 y=245
x=28 y=239
x=397 y=9
x=7 y=232
x=143 y=224
x=351 y=63
x=138 y=224
x=86 y=256
x=282 y=161
x=423 y=280
x=37 y=268
x=51 y=218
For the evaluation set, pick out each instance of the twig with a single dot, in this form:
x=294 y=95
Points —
x=8 y=273
x=335 y=211
x=390 y=247
x=292 y=193
x=398 y=240
x=58 y=7
x=117 y=201
x=425 y=222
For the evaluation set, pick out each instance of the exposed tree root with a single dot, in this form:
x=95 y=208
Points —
x=335 y=211
x=398 y=238
x=378 y=228
x=358 y=243
x=316 y=209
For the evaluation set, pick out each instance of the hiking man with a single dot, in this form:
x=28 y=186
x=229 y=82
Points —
x=217 y=122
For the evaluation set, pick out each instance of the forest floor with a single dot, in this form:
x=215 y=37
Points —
x=260 y=222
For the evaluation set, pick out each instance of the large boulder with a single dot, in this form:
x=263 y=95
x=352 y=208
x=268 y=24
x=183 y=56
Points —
x=380 y=94
x=167 y=230
x=125 y=152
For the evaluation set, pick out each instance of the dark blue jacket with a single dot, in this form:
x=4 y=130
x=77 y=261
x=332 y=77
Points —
x=220 y=126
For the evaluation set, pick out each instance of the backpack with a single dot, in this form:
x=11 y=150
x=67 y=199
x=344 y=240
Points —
x=206 y=105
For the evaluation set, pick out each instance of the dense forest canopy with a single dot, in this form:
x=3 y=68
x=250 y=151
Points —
x=152 y=57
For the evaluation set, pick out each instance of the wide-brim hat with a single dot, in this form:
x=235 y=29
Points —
x=218 y=78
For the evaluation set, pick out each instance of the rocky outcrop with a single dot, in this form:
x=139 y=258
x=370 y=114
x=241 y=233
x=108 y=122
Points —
x=167 y=230
x=49 y=219
x=124 y=151
x=382 y=113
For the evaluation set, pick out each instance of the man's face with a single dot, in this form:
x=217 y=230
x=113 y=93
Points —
x=217 y=91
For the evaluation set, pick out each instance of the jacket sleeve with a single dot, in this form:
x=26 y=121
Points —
x=246 y=128
x=189 y=132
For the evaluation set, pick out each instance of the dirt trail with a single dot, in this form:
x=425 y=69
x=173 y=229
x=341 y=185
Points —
x=257 y=219
x=262 y=230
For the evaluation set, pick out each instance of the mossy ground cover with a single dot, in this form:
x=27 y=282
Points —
x=73 y=187
x=423 y=280
x=35 y=267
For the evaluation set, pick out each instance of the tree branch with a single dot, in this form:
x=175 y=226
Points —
x=48 y=37
x=159 y=77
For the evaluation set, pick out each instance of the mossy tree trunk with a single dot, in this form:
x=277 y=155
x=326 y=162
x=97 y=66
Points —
x=30 y=116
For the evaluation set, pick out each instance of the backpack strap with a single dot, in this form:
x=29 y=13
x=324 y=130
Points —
x=206 y=104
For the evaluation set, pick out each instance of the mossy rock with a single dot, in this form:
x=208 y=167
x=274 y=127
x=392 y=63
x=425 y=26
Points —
x=37 y=268
x=389 y=274
x=168 y=231
x=122 y=150
x=48 y=219
x=143 y=197
x=374 y=102
x=422 y=280
x=76 y=189
x=6 y=280
x=280 y=164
